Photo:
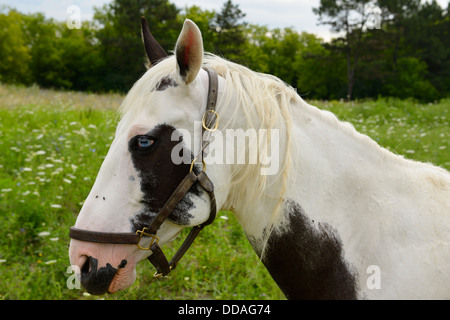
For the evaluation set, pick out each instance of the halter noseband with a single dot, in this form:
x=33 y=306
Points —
x=210 y=122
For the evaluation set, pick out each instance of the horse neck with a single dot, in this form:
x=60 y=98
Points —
x=344 y=191
x=332 y=160
x=322 y=151
x=293 y=236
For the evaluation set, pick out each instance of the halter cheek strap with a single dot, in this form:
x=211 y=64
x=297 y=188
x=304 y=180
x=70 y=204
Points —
x=210 y=122
x=157 y=258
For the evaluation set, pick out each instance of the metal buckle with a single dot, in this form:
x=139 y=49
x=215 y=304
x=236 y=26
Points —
x=142 y=233
x=157 y=275
x=216 y=124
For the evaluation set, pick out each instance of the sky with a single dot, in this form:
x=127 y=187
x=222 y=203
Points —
x=272 y=13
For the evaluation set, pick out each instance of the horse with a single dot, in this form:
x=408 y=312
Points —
x=337 y=217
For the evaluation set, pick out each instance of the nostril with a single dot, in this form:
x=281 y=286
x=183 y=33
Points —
x=96 y=280
x=85 y=267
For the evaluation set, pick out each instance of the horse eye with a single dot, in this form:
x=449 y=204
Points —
x=144 y=142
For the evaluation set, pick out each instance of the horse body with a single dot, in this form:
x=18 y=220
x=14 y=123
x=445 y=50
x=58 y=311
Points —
x=379 y=208
x=359 y=205
x=338 y=206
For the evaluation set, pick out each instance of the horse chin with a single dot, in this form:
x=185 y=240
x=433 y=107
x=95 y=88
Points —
x=123 y=279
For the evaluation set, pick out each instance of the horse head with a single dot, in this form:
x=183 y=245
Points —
x=150 y=162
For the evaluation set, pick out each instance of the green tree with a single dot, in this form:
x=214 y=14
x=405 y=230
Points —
x=321 y=72
x=81 y=54
x=43 y=37
x=410 y=81
x=299 y=59
x=273 y=51
x=348 y=17
x=416 y=49
x=255 y=55
x=14 y=53
x=119 y=33
x=427 y=38
x=396 y=14
x=228 y=24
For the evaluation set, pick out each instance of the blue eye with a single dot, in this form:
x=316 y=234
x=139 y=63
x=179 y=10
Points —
x=144 y=142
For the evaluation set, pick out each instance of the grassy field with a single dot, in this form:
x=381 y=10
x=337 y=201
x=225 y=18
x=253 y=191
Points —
x=51 y=147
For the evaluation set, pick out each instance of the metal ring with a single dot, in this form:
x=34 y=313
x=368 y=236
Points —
x=216 y=125
x=192 y=165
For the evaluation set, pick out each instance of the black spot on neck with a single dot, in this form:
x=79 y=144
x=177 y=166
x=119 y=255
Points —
x=307 y=262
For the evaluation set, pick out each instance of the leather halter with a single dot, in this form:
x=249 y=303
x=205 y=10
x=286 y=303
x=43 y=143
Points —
x=210 y=122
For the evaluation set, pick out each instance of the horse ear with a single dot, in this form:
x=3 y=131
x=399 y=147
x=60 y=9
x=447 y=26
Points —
x=189 y=51
x=154 y=51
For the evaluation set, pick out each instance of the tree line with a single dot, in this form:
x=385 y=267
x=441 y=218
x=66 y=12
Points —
x=398 y=48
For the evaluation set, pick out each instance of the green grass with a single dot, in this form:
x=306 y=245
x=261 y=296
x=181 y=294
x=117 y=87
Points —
x=51 y=147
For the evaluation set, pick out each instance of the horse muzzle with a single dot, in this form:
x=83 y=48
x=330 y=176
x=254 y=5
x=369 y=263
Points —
x=97 y=280
x=107 y=269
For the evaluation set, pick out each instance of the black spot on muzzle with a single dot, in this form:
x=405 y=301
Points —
x=96 y=281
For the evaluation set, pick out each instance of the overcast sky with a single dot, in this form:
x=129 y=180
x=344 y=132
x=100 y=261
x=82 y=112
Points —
x=273 y=13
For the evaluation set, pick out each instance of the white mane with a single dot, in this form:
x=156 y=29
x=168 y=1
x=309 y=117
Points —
x=265 y=103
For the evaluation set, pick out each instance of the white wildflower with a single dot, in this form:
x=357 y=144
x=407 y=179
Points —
x=57 y=171
x=82 y=132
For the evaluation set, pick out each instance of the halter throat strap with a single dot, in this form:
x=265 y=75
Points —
x=157 y=258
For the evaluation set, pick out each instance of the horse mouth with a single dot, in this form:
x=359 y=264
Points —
x=124 y=277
